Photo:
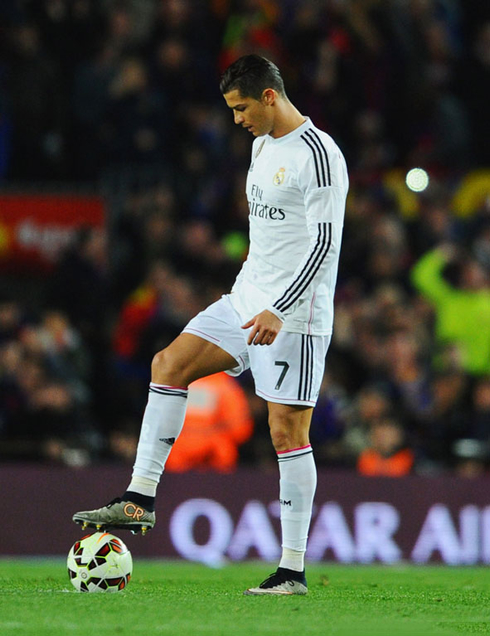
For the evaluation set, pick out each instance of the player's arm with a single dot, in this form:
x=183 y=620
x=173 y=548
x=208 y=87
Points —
x=325 y=223
x=324 y=247
x=427 y=274
x=323 y=181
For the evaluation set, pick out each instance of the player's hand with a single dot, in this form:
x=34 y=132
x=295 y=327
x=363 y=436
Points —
x=264 y=328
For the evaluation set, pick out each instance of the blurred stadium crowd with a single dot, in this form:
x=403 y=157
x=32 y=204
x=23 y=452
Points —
x=123 y=95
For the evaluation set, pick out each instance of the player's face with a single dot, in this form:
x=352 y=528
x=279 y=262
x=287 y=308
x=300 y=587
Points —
x=253 y=114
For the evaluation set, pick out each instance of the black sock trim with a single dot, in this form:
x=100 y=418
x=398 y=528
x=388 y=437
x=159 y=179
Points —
x=293 y=575
x=145 y=501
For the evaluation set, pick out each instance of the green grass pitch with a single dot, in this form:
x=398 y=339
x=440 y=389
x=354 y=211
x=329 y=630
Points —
x=186 y=599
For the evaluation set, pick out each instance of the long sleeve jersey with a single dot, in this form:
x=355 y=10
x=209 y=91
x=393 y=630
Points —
x=296 y=190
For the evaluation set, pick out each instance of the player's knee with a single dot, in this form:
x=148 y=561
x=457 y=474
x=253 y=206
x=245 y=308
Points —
x=166 y=368
x=281 y=437
x=288 y=430
x=159 y=363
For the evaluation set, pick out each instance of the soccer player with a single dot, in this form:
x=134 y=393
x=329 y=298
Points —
x=277 y=320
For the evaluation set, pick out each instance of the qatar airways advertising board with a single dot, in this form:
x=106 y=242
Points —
x=216 y=519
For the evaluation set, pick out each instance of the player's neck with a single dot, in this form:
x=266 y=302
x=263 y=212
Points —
x=287 y=119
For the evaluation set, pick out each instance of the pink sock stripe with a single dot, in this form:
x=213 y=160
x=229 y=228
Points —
x=291 y=450
x=167 y=386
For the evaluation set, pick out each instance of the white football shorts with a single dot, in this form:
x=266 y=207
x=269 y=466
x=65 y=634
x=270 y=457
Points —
x=289 y=371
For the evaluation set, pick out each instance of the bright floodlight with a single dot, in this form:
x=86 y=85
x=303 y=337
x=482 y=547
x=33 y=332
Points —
x=417 y=179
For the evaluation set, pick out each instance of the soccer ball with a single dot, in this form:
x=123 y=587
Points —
x=99 y=562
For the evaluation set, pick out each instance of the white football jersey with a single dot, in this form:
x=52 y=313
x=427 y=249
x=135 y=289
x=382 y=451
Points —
x=296 y=190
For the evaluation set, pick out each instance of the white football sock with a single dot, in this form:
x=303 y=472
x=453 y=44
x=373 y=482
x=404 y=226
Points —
x=297 y=487
x=143 y=486
x=162 y=423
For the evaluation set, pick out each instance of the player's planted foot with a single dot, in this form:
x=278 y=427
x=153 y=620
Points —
x=282 y=581
x=118 y=514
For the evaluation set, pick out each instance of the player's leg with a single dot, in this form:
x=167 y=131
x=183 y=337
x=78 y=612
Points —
x=289 y=428
x=288 y=374
x=186 y=359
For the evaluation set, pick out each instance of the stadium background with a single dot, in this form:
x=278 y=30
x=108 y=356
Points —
x=122 y=213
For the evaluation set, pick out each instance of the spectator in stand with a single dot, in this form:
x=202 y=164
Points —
x=159 y=307
x=408 y=375
x=35 y=107
x=143 y=232
x=79 y=289
x=475 y=75
x=371 y=404
x=152 y=316
x=11 y=318
x=44 y=401
x=462 y=307
x=251 y=27
x=138 y=124
x=79 y=285
x=435 y=224
x=139 y=310
x=446 y=422
x=472 y=452
x=60 y=346
x=201 y=256
x=328 y=423
x=217 y=422
x=90 y=98
x=387 y=454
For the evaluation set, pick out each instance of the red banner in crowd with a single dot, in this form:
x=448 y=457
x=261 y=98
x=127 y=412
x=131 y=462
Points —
x=36 y=228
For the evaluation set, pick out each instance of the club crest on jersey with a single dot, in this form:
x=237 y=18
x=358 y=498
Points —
x=279 y=176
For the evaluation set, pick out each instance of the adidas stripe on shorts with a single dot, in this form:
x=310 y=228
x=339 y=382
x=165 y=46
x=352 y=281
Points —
x=289 y=371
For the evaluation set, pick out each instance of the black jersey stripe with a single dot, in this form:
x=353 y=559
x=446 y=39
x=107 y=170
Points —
x=319 y=158
x=320 y=174
x=317 y=250
x=318 y=255
x=315 y=138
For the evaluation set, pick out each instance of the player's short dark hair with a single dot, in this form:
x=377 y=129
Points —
x=251 y=75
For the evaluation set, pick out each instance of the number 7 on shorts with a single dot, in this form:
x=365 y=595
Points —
x=285 y=369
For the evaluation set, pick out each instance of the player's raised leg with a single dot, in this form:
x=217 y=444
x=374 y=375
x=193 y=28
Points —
x=289 y=426
x=186 y=359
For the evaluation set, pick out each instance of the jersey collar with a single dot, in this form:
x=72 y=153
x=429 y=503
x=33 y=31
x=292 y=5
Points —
x=294 y=134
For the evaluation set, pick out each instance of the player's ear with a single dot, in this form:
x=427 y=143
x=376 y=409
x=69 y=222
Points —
x=269 y=96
